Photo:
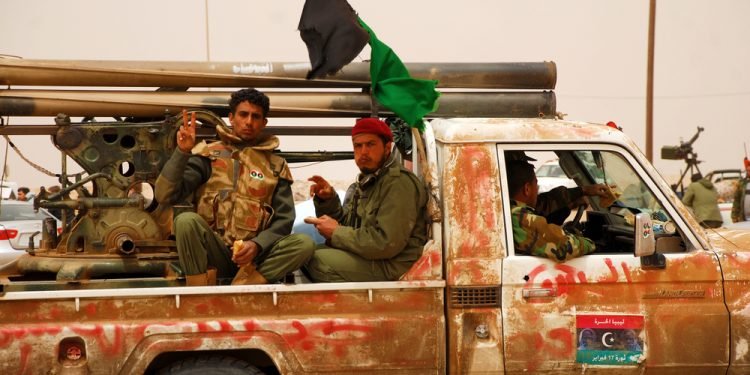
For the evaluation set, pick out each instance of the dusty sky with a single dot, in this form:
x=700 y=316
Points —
x=702 y=52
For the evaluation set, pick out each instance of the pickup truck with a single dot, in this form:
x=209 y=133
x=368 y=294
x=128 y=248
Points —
x=661 y=298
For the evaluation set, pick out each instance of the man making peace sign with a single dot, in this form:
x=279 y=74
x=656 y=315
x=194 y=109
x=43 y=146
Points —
x=243 y=199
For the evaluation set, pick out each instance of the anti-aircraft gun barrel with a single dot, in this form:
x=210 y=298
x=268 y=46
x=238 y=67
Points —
x=20 y=72
x=283 y=104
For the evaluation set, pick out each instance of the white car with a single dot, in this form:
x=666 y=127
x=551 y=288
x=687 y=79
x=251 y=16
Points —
x=549 y=176
x=18 y=222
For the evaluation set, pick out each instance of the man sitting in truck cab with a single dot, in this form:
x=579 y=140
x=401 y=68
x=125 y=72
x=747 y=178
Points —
x=380 y=230
x=533 y=234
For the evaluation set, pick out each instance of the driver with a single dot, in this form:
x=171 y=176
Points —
x=534 y=234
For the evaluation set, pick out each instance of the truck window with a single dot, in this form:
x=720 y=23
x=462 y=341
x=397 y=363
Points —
x=609 y=224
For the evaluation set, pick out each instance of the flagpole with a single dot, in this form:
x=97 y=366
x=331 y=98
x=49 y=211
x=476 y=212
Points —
x=650 y=83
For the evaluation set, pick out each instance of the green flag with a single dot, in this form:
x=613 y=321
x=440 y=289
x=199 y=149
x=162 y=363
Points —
x=409 y=98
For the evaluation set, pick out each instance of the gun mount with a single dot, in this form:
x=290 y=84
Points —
x=684 y=152
x=112 y=228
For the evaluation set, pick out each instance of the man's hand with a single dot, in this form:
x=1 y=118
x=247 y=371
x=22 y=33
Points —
x=601 y=190
x=186 y=133
x=325 y=225
x=246 y=253
x=321 y=188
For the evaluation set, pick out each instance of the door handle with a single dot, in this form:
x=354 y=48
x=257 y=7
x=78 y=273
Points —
x=539 y=292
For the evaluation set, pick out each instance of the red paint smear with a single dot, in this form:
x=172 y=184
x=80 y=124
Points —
x=422 y=268
x=474 y=189
x=547 y=283
x=201 y=308
x=582 y=277
x=24 y=358
x=107 y=347
x=538 y=341
x=612 y=270
x=330 y=327
x=626 y=272
x=300 y=335
x=562 y=285
x=534 y=273
x=250 y=325
x=90 y=309
x=55 y=313
x=564 y=337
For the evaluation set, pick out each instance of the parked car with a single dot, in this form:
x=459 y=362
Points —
x=18 y=222
x=550 y=175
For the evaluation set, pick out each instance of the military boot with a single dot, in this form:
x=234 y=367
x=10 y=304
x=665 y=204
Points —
x=202 y=279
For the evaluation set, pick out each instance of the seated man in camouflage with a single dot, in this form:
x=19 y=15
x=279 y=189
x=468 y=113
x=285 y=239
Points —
x=243 y=197
x=532 y=233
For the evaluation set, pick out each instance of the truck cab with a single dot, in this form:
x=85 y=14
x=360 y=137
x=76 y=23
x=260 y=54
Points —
x=609 y=308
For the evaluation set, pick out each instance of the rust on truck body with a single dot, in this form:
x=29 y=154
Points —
x=304 y=328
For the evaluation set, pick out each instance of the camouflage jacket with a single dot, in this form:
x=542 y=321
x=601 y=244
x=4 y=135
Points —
x=383 y=217
x=740 y=197
x=532 y=235
x=243 y=191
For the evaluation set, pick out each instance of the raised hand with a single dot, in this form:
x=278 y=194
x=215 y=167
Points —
x=321 y=188
x=186 y=133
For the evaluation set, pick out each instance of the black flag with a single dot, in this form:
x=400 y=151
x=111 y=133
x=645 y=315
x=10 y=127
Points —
x=332 y=34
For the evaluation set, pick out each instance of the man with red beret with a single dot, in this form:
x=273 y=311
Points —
x=381 y=228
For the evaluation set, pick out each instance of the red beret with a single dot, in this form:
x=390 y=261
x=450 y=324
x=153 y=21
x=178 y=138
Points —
x=372 y=125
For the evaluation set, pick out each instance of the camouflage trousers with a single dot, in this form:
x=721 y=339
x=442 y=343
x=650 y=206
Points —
x=199 y=247
x=333 y=265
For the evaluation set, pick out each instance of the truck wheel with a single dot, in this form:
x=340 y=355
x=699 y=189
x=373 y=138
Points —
x=214 y=364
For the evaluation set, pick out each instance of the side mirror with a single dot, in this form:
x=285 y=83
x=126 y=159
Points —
x=645 y=242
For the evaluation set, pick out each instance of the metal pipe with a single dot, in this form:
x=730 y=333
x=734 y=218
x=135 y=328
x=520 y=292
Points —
x=283 y=104
x=506 y=75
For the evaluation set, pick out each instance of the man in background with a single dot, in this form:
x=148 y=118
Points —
x=741 y=205
x=703 y=198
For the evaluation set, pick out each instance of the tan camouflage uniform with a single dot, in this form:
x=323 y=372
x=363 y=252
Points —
x=243 y=193
x=533 y=235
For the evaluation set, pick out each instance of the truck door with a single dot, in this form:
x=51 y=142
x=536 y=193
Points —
x=609 y=309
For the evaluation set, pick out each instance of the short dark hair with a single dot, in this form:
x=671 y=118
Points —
x=519 y=173
x=24 y=190
x=250 y=95
x=696 y=177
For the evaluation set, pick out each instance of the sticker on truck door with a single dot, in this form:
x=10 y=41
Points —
x=609 y=339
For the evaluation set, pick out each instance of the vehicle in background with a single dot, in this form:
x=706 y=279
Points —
x=8 y=189
x=18 y=222
x=550 y=175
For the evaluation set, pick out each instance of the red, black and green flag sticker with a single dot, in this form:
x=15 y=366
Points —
x=609 y=339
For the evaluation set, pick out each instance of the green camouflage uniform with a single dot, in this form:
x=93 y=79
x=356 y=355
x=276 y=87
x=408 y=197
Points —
x=243 y=192
x=382 y=228
x=738 y=205
x=533 y=235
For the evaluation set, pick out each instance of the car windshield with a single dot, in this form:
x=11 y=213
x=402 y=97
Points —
x=11 y=212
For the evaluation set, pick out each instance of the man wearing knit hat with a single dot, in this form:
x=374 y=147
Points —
x=379 y=231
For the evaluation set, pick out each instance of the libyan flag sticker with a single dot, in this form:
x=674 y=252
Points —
x=609 y=339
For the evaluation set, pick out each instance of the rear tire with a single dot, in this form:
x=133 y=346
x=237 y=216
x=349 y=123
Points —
x=211 y=364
